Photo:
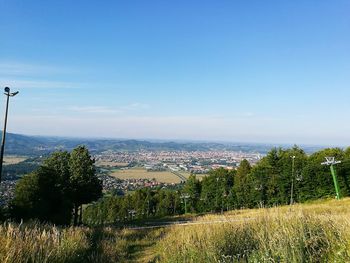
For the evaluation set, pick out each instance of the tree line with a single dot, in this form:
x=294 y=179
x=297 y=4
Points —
x=58 y=189
x=267 y=183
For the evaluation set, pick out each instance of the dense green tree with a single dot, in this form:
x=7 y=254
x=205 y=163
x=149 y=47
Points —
x=59 y=163
x=141 y=203
x=259 y=181
x=241 y=184
x=64 y=181
x=3 y=213
x=217 y=191
x=208 y=193
x=193 y=189
x=226 y=188
x=39 y=195
x=270 y=184
x=164 y=204
x=347 y=153
x=85 y=187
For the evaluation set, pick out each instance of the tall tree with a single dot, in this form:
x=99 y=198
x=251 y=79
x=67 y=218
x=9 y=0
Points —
x=39 y=195
x=241 y=186
x=193 y=189
x=84 y=184
x=59 y=163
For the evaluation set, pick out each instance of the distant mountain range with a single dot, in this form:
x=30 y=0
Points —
x=38 y=145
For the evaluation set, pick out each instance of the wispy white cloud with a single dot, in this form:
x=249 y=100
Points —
x=133 y=107
x=15 y=68
x=23 y=75
x=41 y=84
x=93 y=109
x=248 y=114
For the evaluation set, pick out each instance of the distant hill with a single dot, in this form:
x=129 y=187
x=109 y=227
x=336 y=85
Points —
x=39 y=145
x=22 y=145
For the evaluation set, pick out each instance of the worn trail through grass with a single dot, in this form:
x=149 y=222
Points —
x=139 y=245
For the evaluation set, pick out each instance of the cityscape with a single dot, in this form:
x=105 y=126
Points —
x=179 y=164
x=197 y=162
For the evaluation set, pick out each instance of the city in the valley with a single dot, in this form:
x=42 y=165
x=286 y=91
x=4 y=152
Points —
x=133 y=170
x=126 y=170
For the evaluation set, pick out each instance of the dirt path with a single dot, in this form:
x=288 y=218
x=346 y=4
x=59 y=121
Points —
x=189 y=223
x=141 y=244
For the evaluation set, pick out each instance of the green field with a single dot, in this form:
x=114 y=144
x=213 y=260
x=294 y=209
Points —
x=141 y=173
x=13 y=159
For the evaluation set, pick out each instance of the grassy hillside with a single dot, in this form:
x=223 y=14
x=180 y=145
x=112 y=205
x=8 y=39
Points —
x=314 y=232
x=317 y=232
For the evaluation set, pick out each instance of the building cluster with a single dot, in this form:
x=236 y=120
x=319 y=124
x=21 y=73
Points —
x=7 y=190
x=110 y=183
x=198 y=162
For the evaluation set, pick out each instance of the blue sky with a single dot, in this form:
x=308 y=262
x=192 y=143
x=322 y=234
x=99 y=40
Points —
x=251 y=71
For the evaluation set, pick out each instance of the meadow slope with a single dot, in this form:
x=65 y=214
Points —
x=314 y=232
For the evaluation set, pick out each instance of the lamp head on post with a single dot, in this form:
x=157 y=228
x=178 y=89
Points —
x=7 y=92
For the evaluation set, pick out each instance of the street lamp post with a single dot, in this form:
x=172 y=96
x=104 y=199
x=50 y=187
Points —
x=8 y=94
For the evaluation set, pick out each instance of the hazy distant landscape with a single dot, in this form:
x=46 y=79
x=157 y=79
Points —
x=37 y=145
x=182 y=131
x=129 y=165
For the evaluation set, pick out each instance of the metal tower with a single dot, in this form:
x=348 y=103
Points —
x=330 y=161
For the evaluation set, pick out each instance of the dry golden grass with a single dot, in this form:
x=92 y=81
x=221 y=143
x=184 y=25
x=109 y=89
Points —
x=35 y=242
x=13 y=159
x=41 y=243
x=141 y=173
x=316 y=232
